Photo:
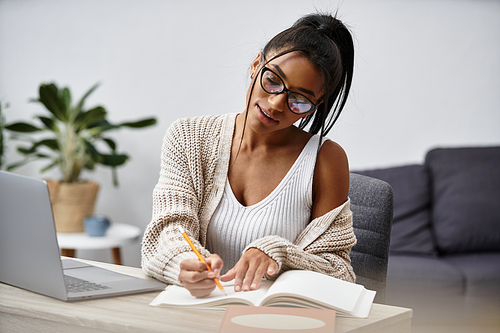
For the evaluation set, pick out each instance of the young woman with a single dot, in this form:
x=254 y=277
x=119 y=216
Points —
x=257 y=193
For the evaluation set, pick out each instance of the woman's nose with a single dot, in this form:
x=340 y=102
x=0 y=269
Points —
x=279 y=101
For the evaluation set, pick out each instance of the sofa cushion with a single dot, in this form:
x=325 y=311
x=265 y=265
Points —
x=466 y=194
x=481 y=271
x=421 y=272
x=411 y=231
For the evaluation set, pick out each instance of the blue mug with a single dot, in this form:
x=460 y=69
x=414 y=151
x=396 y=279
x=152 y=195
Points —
x=96 y=225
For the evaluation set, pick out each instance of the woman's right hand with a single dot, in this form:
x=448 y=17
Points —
x=196 y=277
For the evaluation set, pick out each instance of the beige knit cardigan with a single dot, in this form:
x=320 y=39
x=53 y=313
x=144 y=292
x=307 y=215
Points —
x=194 y=168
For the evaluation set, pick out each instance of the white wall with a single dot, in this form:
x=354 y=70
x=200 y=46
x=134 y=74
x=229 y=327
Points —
x=427 y=75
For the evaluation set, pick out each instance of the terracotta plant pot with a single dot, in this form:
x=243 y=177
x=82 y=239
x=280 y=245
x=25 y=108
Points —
x=71 y=202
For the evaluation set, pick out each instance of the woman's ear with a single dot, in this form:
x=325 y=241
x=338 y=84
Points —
x=256 y=65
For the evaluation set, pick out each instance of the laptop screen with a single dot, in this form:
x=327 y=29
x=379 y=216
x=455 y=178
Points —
x=29 y=253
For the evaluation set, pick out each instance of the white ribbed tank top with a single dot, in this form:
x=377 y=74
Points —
x=285 y=212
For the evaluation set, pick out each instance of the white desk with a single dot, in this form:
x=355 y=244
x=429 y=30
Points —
x=116 y=236
x=24 y=311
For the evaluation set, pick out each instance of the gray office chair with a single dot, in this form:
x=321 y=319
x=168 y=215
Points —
x=372 y=208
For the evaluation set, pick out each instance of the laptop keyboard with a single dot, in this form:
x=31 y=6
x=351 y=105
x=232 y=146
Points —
x=77 y=285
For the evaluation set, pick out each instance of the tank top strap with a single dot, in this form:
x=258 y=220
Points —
x=308 y=159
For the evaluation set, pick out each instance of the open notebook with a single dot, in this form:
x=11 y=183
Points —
x=29 y=253
x=296 y=288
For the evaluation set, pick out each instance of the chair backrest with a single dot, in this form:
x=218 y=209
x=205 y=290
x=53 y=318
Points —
x=372 y=205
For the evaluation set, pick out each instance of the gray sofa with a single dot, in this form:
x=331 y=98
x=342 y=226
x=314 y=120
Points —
x=445 y=241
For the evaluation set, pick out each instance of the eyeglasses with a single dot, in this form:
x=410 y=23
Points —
x=273 y=84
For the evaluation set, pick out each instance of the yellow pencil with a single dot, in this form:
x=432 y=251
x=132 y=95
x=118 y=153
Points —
x=181 y=229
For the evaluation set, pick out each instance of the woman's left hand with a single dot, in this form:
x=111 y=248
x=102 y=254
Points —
x=250 y=269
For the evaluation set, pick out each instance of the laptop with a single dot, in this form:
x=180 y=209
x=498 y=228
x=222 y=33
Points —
x=30 y=256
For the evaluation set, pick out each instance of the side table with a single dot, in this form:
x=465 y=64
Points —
x=117 y=235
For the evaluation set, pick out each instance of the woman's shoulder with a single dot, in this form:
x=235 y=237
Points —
x=332 y=160
x=332 y=152
x=331 y=176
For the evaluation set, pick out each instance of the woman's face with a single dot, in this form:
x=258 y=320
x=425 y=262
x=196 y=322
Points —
x=270 y=112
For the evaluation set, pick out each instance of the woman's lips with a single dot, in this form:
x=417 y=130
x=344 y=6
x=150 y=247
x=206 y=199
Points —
x=266 y=115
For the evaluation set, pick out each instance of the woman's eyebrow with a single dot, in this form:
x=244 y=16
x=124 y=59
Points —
x=307 y=91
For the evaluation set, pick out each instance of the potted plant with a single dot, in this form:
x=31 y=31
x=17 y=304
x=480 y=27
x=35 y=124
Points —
x=74 y=133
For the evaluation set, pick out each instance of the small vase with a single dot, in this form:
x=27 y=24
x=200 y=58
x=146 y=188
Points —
x=96 y=225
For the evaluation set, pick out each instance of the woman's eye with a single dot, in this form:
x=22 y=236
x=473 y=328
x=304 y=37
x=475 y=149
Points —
x=272 y=80
x=297 y=99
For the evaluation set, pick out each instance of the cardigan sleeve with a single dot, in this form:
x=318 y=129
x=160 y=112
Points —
x=325 y=252
x=176 y=202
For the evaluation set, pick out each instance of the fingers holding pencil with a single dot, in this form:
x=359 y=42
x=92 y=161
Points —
x=194 y=276
x=198 y=276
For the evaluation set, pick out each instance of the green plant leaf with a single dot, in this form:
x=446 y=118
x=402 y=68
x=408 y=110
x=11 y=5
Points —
x=49 y=124
x=49 y=143
x=87 y=119
x=115 y=176
x=49 y=96
x=22 y=127
x=66 y=98
x=110 y=143
x=79 y=105
x=113 y=160
x=100 y=127
x=18 y=164
x=92 y=151
x=49 y=166
x=26 y=151
x=43 y=156
x=140 y=123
